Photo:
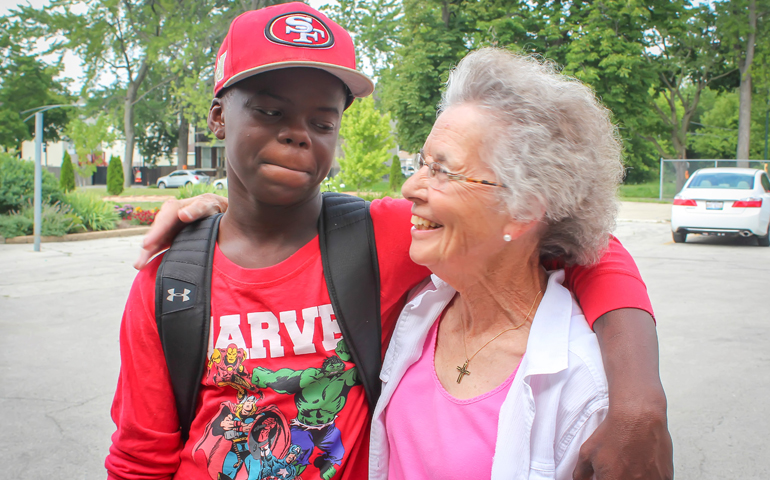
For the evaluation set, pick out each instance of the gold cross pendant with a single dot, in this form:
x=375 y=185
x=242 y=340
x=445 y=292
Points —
x=463 y=371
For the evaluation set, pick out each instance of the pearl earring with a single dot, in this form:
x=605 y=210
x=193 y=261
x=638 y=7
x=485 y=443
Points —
x=222 y=123
x=507 y=237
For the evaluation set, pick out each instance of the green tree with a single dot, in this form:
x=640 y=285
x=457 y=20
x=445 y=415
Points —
x=717 y=136
x=395 y=177
x=687 y=57
x=67 y=174
x=126 y=39
x=434 y=37
x=375 y=26
x=88 y=136
x=115 y=176
x=25 y=83
x=743 y=29
x=156 y=119
x=366 y=142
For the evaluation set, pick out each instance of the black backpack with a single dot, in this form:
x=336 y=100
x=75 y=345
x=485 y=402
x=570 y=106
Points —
x=183 y=294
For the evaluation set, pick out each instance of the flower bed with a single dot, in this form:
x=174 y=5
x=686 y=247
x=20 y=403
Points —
x=137 y=215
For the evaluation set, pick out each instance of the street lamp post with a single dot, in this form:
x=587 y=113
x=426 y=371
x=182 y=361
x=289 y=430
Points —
x=37 y=199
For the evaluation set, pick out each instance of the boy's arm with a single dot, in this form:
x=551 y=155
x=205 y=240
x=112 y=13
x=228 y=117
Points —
x=633 y=441
x=147 y=442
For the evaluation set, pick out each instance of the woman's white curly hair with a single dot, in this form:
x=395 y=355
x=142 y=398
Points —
x=554 y=147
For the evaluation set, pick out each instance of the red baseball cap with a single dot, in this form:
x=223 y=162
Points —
x=285 y=36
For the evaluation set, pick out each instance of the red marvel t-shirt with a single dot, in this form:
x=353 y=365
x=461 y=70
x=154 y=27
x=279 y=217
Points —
x=280 y=397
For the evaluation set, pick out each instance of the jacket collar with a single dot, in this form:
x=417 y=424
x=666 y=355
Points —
x=548 y=343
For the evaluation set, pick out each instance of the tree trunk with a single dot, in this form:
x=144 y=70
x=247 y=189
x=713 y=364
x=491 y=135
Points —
x=744 y=112
x=128 y=120
x=181 y=148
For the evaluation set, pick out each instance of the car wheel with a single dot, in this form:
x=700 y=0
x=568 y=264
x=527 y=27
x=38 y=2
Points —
x=679 y=237
x=188 y=184
x=220 y=186
x=162 y=185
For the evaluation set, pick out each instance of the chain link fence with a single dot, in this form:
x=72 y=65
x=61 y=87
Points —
x=674 y=173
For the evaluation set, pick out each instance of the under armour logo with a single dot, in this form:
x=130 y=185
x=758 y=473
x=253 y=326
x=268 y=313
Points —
x=172 y=294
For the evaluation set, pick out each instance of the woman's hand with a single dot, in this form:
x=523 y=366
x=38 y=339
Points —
x=633 y=442
x=173 y=216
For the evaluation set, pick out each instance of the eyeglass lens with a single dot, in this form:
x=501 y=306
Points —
x=437 y=177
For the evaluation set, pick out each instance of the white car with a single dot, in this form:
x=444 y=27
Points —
x=221 y=184
x=723 y=201
x=181 y=178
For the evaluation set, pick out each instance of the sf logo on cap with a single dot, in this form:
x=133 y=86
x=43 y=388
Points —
x=299 y=29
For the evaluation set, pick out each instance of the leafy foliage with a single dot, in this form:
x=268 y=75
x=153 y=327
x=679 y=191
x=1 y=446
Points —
x=26 y=83
x=67 y=174
x=189 y=191
x=115 y=176
x=88 y=136
x=376 y=27
x=395 y=177
x=366 y=142
x=56 y=220
x=17 y=183
x=433 y=39
x=95 y=213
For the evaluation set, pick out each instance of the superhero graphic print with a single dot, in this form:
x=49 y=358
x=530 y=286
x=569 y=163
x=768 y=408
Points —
x=251 y=440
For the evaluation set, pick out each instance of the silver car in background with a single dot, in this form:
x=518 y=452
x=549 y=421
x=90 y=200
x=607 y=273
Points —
x=181 y=178
x=723 y=201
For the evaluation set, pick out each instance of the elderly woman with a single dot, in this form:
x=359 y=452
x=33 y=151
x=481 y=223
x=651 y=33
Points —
x=492 y=369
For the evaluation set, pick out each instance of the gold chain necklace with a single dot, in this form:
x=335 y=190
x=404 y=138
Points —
x=464 y=369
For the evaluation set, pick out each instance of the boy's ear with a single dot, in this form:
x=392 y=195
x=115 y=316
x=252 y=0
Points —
x=216 y=120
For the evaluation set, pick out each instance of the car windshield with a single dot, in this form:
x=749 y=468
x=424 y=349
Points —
x=738 y=181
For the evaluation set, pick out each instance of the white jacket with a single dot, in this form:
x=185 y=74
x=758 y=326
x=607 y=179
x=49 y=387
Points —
x=557 y=399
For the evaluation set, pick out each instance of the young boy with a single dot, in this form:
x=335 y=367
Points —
x=280 y=396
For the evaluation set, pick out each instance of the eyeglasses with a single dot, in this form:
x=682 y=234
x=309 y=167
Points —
x=440 y=176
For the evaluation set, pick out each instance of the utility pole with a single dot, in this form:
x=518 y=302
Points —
x=37 y=199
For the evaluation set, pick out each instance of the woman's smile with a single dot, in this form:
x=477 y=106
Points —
x=424 y=224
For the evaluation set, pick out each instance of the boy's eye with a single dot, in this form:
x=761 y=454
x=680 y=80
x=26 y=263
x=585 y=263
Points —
x=269 y=113
x=325 y=126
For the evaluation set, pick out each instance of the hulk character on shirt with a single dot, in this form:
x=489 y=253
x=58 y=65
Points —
x=320 y=395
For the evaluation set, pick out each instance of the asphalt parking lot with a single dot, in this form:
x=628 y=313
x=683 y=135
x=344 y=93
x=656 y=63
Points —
x=60 y=313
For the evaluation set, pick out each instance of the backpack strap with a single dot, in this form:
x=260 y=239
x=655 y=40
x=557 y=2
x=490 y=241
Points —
x=351 y=269
x=183 y=311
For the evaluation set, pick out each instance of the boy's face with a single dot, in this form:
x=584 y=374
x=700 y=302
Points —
x=280 y=131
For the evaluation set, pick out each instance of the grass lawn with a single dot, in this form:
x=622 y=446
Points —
x=647 y=192
x=101 y=190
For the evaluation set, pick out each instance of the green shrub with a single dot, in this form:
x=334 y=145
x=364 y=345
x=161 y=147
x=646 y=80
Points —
x=67 y=174
x=198 y=189
x=369 y=196
x=95 y=213
x=56 y=220
x=396 y=178
x=115 y=176
x=15 y=224
x=17 y=183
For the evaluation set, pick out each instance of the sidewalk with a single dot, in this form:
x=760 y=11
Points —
x=644 y=212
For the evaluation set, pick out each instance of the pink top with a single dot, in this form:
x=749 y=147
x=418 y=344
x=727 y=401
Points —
x=422 y=419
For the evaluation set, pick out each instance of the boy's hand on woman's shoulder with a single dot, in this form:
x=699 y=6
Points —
x=173 y=216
